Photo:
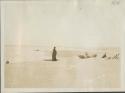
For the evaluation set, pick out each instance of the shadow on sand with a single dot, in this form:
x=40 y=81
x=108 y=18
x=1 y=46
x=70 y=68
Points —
x=49 y=60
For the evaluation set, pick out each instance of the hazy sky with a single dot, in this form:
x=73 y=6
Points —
x=82 y=23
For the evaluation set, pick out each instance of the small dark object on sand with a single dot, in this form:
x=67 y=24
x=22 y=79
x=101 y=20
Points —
x=7 y=62
x=37 y=50
x=95 y=55
x=116 y=56
x=104 y=56
x=81 y=56
x=109 y=57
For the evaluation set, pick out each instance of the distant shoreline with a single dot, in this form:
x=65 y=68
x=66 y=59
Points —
x=65 y=48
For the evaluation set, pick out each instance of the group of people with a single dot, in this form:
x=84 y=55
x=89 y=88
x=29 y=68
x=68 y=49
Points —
x=54 y=53
x=116 y=56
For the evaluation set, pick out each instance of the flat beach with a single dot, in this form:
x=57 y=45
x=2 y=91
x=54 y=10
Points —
x=29 y=68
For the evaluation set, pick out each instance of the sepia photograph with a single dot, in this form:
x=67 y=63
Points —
x=70 y=44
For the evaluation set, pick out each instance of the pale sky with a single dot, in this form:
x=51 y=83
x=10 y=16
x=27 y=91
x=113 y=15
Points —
x=74 y=23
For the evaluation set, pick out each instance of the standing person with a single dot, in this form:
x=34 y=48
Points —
x=54 y=54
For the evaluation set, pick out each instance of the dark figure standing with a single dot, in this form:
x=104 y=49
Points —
x=54 y=54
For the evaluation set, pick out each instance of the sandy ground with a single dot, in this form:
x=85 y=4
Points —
x=68 y=72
